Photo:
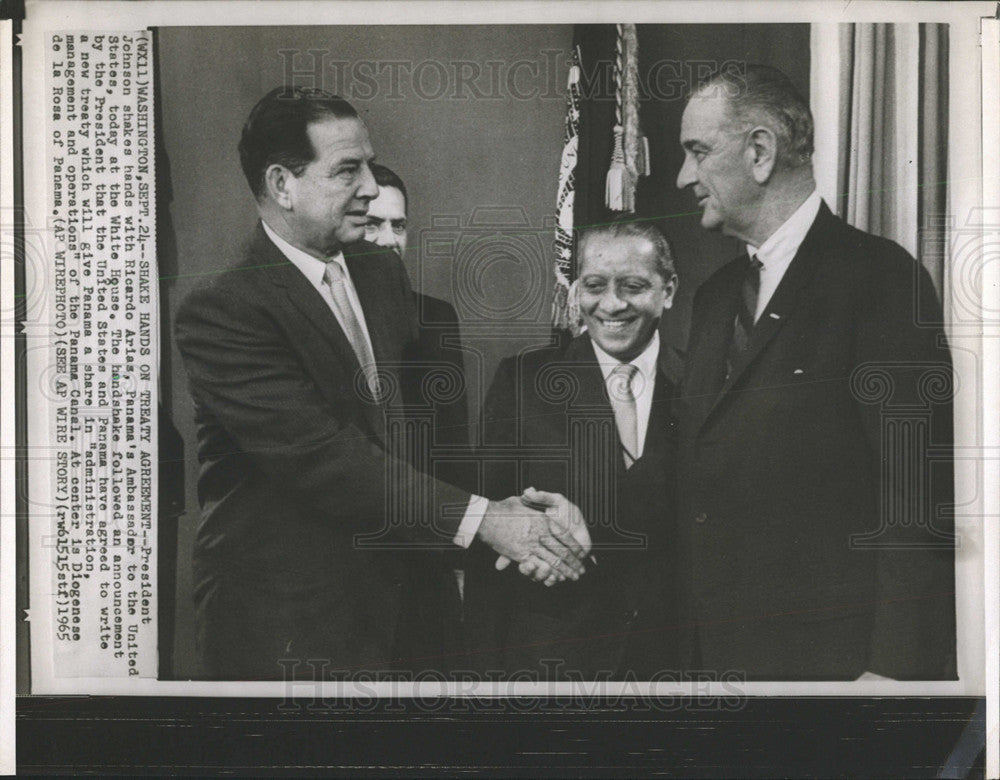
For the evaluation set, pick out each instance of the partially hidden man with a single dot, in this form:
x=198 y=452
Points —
x=434 y=362
x=292 y=358
x=591 y=418
x=813 y=543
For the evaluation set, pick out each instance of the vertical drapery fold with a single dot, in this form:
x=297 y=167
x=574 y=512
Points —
x=933 y=143
x=893 y=136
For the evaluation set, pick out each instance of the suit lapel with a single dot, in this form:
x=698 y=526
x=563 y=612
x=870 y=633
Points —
x=370 y=285
x=782 y=304
x=303 y=296
x=308 y=302
x=592 y=401
x=593 y=391
x=660 y=413
x=705 y=369
x=591 y=398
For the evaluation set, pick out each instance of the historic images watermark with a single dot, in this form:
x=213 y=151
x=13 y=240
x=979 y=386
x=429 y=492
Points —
x=542 y=77
x=311 y=685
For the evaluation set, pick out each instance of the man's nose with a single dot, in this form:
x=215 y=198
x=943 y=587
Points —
x=385 y=236
x=367 y=187
x=611 y=302
x=686 y=176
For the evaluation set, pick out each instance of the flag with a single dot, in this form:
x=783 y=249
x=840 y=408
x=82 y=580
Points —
x=562 y=317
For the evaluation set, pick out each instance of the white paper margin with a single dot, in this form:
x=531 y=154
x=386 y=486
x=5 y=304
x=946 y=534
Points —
x=965 y=164
x=8 y=524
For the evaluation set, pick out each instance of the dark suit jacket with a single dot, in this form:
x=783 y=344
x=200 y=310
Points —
x=785 y=471
x=435 y=385
x=297 y=555
x=548 y=424
x=441 y=383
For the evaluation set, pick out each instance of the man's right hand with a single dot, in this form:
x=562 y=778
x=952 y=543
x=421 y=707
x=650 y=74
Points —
x=519 y=533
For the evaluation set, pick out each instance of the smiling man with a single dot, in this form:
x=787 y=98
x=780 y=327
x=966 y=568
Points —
x=291 y=357
x=626 y=281
x=605 y=401
x=813 y=544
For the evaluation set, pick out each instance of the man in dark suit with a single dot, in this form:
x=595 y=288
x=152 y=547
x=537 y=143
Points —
x=434 y=382
x=591 y=418
x=292 y=359
x=438 y=345
x=815 y=541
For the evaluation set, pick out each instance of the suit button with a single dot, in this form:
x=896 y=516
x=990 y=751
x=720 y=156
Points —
x=701 y=518
x=629 y=615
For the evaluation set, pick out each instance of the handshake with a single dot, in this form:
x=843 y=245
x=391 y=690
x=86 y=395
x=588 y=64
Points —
x=544 y=532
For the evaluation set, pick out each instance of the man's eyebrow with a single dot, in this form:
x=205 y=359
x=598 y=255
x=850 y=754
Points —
x=346 y=161
x=373 y=218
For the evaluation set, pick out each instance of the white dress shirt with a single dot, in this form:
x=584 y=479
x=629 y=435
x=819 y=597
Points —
x=778 y=251
x=642 y=382
x=313 y=268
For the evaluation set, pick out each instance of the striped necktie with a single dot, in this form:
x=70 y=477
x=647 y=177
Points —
x=622 y=396
x=746 y=312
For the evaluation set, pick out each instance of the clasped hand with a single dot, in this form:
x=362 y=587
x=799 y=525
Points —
x=544 y=532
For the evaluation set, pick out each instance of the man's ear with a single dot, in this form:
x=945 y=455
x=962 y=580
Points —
x=672 y=284
x=763 y=153
x=279 y=182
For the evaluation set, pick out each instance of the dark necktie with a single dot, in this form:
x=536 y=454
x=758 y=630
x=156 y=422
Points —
x=745 y=313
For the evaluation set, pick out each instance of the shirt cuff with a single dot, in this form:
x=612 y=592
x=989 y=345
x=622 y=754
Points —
x=469 y=526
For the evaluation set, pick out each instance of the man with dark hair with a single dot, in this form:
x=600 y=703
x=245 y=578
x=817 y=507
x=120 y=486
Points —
x=813 y=545
x=387 y=214
x=593 y=419
x=292 y=359
x=438 y=343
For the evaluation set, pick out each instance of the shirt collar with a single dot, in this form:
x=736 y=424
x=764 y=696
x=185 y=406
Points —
x=312 y=267
x=778 y=251
x=645 y=362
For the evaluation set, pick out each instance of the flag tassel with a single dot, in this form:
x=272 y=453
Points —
x=619 y=190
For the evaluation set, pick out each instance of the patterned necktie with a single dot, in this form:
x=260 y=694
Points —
x=746 y=313
x=622 y=395
x=333 y=276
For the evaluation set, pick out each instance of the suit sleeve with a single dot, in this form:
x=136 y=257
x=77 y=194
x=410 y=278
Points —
x=243 y=374
x=906 y=411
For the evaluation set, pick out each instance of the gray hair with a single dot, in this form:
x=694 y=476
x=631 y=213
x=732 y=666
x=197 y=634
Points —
x=759 y=94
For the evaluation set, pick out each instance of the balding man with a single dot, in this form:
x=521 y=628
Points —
x=810 y=548
x=591 y=418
